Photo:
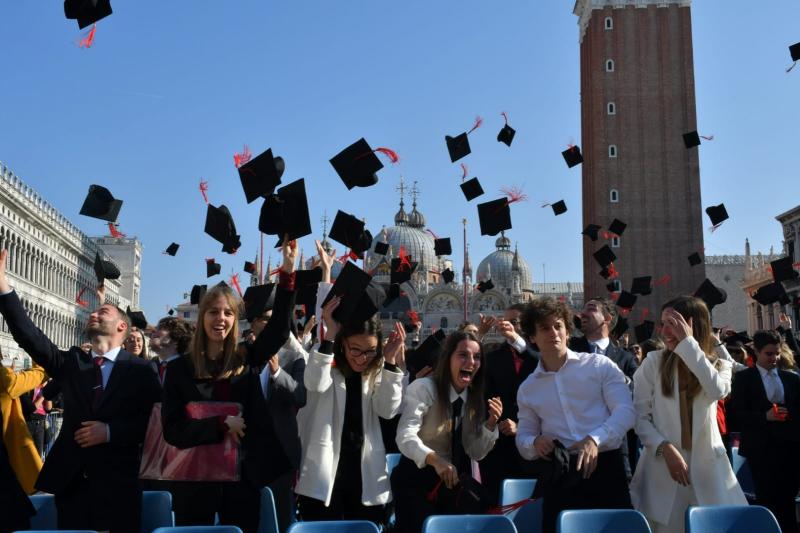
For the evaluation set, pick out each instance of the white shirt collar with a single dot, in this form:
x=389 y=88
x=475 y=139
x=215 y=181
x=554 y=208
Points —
x=540 y=371
x=602 y=343
x=764 y=371
x=111 y=355
x=169 y=358
x=454 y=394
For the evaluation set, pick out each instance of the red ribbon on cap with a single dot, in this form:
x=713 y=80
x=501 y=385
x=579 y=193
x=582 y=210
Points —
x=82 y=303
x=240 y=159
x=478 y=122
x=612 y=271
x=88 y=39
x=204 y=189
x=413 y=316
x=663 y=280
x=464 y=172
x=404 y=261
x=515 y=194
x=645 y=312
x=235 y=283
x=391 y=154
x=114 y=231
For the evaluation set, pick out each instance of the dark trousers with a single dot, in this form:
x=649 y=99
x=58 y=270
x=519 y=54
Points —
x=607 y=488
x=775 y=476
x=237 y=503
x=100 y=505
x=283 y=493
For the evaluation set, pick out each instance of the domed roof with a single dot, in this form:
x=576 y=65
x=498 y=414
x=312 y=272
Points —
x=503 y=242
x=416 y=219
x=500 y=264
x=417 y=243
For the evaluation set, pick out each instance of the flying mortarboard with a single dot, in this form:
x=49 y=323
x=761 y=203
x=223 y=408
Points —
x=626 y=300
x=381 y=248
x=427 y=353
x=87 y=11
x=572 y=156
x=691 y=139
x=769 y=294
x=717 y=213
x=212 y=268
x=695 y=259
x=617 y=227
x=448 y=276
x=604 y=256
x=642 y=285
x=306 y=283
x=360 y=297
x=357 y=164
x=442 y=246
x=392 y=294
x=506 y=135
x=137 y=318
x=401 y=272
x=494 y=216
x=220 y=226
x=619 y=328
x=261 y=175
x=471 y=189
x=286 y=212
x=100 y=204
x=559 y=208
x=484 y=286
x=644 y=331
x=591 y=231
x=249 y=267
x=257 y=300
x=458 y=146
x=198 y=291
x=794 y=51
x=349 y=231
x=782 y=270
x=739 y=336
x=104 y=269
x=711 y=294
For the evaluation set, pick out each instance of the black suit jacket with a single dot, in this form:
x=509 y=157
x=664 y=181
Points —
x=624 y=359
x=125 y=406
x=747 y=408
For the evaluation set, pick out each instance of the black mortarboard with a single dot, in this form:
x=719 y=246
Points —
x=604 y=256
x=137 y=318
x=506 y=135
x=99 y=203
x=448 y=276
x=220 y=226
x=172 y=249
x=442 y=246
x=642 y=285
x=691 y=139
x=427 y=353
x=392 y=294
x=212 y=268
x=357 y=165
x=591 y=231
x=104 y=269
x=794 y=51
x=401 y=273
x=769 y=294
x=471 y=189
x=484 y=286
x=494 y=216
x=306 y=283
x=361 y=298
x=286 y=212
x=606 y=272
x=739 y=336
x=710 y=294
x=261 y=175
x=87 y=11
x=559 y=208
x=198 y=291
x=171 y=312
x=626 y=300
x=620 y=327
x=349 y=231
x=572 y=156
x=381 y=248
x=257 y=300
x=249 y=267
x=782 y=270
x=617 y=227
x=695 y=259
x=458 y=146
x=644 y=331
x=717 y=213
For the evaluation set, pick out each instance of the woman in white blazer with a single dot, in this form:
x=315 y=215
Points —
x=350 y=382
x=675 y=393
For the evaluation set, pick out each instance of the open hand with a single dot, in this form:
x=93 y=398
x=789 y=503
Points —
x=236 y=427
x=325 y=261
x=331 y=325
x=587 y=456
x=395 y=344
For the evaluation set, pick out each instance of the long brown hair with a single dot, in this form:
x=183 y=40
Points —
x=475 y=411
x=232 y=362
x=370 y=327
x=695 y=309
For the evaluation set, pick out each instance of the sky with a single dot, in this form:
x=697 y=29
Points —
x=169 y=91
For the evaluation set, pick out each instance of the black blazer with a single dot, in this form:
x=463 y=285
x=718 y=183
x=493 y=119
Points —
x=125 y=406
x=502 y=379
x=625 y=360
x=747 y=409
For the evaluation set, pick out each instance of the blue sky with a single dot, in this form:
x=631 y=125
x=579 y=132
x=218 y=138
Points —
x=170 y=90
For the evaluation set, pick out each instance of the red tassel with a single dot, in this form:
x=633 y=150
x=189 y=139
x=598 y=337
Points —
x=404 y=261
x=114 y=231
x=625 y=311
x=708 y=138
x=275 y=272
x=391 y=154
x=235 y=283
x=464 y=172
x=505 y=117
x=413 y=316
x=88 y=40
x=509 y=508
x=242 y=158
x=204 y=189
x=663 y=280
x=788 y=70
x=515 y=194
x=614 y=296
x=478 y=122
x=795 y=265
x=432 y=233
x=82 y=303
x=434 y=493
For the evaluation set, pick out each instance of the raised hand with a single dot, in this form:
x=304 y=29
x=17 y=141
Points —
x=289 y=250
x=4 y=286
x=485 y=325
x=331 y=325
x=495 y=412
x=326 y=262
x=395 y=345
x=679 y=326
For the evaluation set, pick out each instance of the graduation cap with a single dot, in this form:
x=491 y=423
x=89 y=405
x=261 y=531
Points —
x=695 y=259
x=104 y=269
x=357 y=164
x=261 y=175
x=739 y=336
x=644 y=331
x=617 y=227
x=442 y=246
x=494 y=216
x=448 y=276
x=137 y=318
x=306 y=283
x=471 y=189
x=484 y=286
x=392 y=294
x=769 y=294
x=691 y=139
x=506 y=135
x=361 y=298
x=212 y=268
x=717 y=213
x=559 y=208
x=458 y=146
x=349 y=231
x=604 y=256
x=171 y=312
x=626 y=300
x=642 y=285
x=220 y=226
x=710 y=294
x=572 y=156
x=591 y=231
x=249 y=267
x=87 y=11
x=381 y=248
x=400 y=271
x=619 y=328
x=782 y=270
x=286 y=212
x=794 y=51
x=100 y=204
x=257 y=300
x=427 y=353
x=198 y=291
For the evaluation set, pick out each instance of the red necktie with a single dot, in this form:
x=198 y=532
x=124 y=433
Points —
x=98 y=381
x=162 y=369
x=517 y=360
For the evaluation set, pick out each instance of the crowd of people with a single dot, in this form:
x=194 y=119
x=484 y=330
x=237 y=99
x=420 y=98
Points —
x=213 y=415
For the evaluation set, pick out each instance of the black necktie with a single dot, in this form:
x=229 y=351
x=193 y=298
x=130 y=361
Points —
x=459 y=457
x=98 y=382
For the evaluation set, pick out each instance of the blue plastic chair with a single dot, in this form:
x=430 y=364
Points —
x=198 y=529
x=268 y=519
x=514 y=490
x=602 y=521
x=743 y=475
x=339 y=526
x=528 y=518
x=156 y=510
x=46 y=516
x=392 y=460
x=468 y=524
x=730 y=518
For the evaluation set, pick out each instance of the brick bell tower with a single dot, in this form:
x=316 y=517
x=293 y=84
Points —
x=637 y=101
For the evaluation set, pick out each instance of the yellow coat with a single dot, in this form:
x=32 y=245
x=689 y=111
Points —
x=22 y=453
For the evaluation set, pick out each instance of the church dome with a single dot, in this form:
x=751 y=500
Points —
x=416 y=219
x=500 y=265
x=401 y=218
x=417 y=243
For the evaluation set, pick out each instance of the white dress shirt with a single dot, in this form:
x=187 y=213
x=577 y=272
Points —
x=772 y=384
x=108 y=365
x=587 y=396
x=601 y=343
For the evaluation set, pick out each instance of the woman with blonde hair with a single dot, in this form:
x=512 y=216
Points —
x=214 y=371
x=675 y=393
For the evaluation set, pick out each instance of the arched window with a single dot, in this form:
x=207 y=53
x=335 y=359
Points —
x=612 y=108
x=615 y=242
x=443 y=323
x=612 y=150
x=609 y=65
x=613 y=196
x=609 y=23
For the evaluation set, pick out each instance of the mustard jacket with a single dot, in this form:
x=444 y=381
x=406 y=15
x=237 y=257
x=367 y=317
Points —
x=25 y=459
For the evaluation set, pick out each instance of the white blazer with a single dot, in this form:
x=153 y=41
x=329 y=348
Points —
x=658 y=420
x=321 y=421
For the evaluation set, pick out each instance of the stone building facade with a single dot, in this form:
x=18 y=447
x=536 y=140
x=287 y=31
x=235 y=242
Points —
x=727 y=273
x=790 y=223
